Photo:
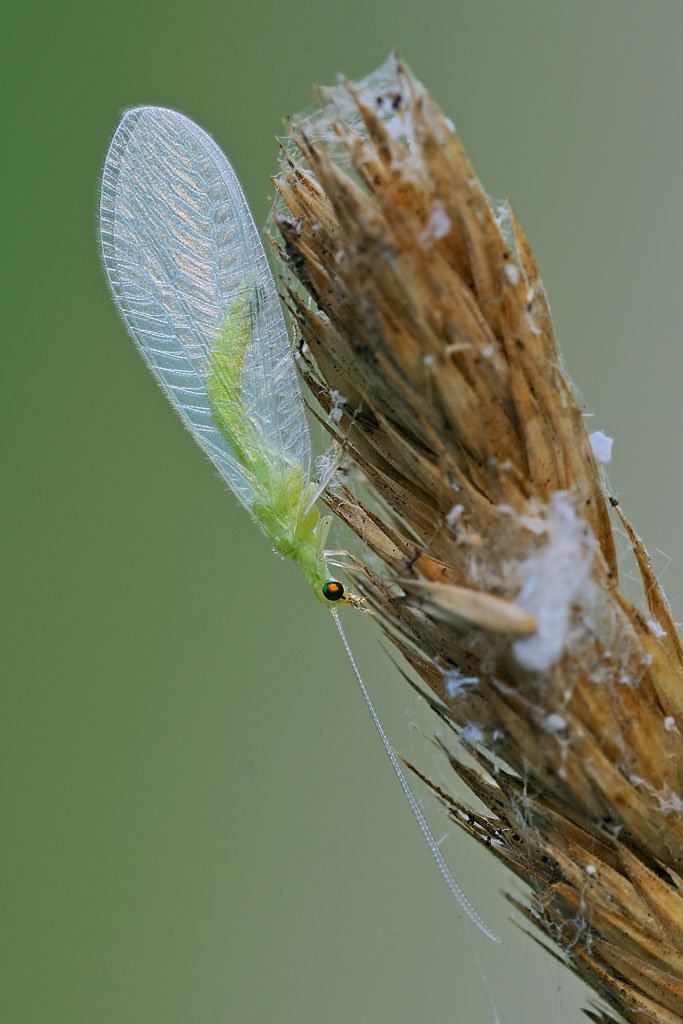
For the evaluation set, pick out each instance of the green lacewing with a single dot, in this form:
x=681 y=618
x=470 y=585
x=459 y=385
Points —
x=190 y=277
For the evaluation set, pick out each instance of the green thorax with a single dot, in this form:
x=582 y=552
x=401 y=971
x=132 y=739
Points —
x=281 y=491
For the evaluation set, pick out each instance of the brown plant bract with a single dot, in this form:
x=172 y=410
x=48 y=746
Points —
x=431 y=345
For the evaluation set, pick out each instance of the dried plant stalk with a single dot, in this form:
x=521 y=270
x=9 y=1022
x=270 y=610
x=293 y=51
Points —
x=429 y=345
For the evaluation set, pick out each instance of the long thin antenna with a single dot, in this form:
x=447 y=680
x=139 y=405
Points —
x=455 y=889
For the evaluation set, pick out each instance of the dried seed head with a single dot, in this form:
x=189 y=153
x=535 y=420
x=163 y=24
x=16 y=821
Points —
x=429 y=346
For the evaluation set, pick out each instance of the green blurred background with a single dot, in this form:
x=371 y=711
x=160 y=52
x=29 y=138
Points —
x=200 y=825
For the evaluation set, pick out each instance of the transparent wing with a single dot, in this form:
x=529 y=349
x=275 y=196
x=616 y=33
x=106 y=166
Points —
x=178 y=243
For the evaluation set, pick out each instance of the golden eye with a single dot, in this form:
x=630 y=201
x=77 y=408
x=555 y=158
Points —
x=333 y=591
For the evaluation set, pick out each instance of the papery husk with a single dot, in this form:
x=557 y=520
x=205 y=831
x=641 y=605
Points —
x=428 y=345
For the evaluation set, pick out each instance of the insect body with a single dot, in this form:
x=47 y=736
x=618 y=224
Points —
x=191 y=279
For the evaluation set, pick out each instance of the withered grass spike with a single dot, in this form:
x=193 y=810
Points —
x=429 y=340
